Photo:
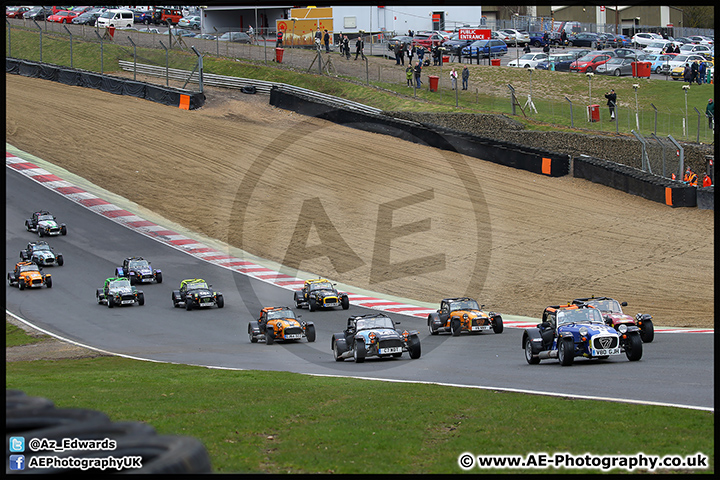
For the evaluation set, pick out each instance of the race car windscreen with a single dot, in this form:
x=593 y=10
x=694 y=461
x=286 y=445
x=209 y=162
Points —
x=579 y=315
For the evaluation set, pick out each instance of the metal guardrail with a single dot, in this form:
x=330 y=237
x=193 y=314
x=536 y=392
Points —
x=261 y=86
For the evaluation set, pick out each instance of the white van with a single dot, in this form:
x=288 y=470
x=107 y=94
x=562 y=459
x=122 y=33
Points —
x=116 y=18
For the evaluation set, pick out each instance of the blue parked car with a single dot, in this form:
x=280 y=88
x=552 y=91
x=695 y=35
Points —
x=142 y=17
x=374 y=335
x=569 y=331
x=562 y=61
x=657 y=61
x=486 y=48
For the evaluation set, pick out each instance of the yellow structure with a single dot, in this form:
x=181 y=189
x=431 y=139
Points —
x=300 y=28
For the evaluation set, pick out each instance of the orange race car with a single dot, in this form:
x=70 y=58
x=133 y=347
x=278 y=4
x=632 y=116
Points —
x=462 y=314
x=28 y=274
x=279 y=323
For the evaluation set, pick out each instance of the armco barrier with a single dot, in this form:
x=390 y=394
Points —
x=504 y=153
x=177 y=97
x=706 y=198
x=635 y=182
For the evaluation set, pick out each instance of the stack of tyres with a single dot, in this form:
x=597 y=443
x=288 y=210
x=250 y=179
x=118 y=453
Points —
x=44 y=428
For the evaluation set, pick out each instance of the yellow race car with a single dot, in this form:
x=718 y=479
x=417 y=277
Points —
x=320 y=293
x=279 y=323
x=28 y=275
x=463 y=314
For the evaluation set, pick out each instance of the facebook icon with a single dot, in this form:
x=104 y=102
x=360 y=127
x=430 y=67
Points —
x=17 y=462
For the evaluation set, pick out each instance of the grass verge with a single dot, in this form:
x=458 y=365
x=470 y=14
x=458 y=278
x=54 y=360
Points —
x=277 y=422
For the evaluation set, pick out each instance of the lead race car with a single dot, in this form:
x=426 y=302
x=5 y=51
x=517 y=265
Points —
x=320 y=293
x=463 y=314
x=613 y=314
x=280 y=323
x=44 y=223
x=118 y=291
x=374 y=335
x=569 y=331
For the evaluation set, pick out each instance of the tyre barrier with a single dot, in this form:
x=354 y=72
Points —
x=504 y=153
x=706 y=198
x=176 y=97
x=38 y=418
x=635 y=182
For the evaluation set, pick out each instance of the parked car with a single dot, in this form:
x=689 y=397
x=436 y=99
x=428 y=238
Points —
x=646 y=38
x=166 y=16
x=589 y=62
x=657 y=61
x=192 y=22
x=142 y=17
x=28 y=275
x=657 y=47
x=279 y=323
x=398 y=40
x=38 y=13
x=616 y=66
x=703 y=50
x=611 y=40
x=514 y=37
x=454 y=45
x=679 y=61
x=196 y=293
x=613 y=314
x=628 y=52
x=63 y=16
x=583 y=39
x=42 y=254
x=374 y=335
x=528 y=60
x=138 y=270
x=537 y=39
x=206 y=36
x=700 y=40
x=118 y=291
x=626 y=41
x=239 y=37
x=485 y=48
x=569 y=331
x=677 y=73
x=16 y=12
x=463 y=314
x=682 y=41
x=560 y=61
x=87 y=18
x=320 y=293
x=428 y=41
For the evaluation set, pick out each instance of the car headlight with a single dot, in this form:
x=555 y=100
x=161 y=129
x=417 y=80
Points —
x=622 y=328
x=583 y=331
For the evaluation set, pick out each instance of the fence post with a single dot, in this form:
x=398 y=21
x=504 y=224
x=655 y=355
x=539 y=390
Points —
x=102 y=70
x=9 y=39
x=663 y=153
x=71 y=53
x=167 y=65
x=645 y=162
x=680 y=154
x=656 y=113
x=134 y=58
x=512 y=97
x=571 y=112
x=39 y=28
x=698 y=129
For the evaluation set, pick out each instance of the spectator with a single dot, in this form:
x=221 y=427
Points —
x=527 y=48
x=563 y=38
x=251 y=34
x=326 y=39
x=693 y=71
x=465 y=77
x=686 y=73
x=359 y=48
x=701 y=73
x=418 y=71
x=409 y=75
x=611 y=102
x=690 y=177
x=279 y=42
x=453 y=78
x=346 y=46
x=398 y=48
x=710 y=112
x=318 y=37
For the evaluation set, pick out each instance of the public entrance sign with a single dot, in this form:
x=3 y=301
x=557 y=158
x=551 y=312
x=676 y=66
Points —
x=474 y=34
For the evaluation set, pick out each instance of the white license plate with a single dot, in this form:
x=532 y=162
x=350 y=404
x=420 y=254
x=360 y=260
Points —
x=124 y=302
x=293 y=336
x=603 y=352
x=383 y=351
x=53 y=233
x=207 y=304
x=477 y=328
x=331 y=304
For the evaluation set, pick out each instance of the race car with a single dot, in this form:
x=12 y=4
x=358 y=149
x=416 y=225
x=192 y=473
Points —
x=613 y=314
x=374 y=335
x=28 y=275
x=463 y=314
x=118 y=291
x=279 y=323
x=138 y=270
x=44 y=223
x=196 y=293
x=42 y=254
x=569 y=331
x=320 y=293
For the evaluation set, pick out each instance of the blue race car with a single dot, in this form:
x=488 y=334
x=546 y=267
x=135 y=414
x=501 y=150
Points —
x=374 y=335
x=569 y=331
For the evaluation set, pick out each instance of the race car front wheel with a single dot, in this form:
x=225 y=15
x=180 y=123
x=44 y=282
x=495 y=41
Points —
x=359 y=352
x=529 y=357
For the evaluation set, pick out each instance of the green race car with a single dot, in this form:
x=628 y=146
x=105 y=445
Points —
x=118 y=291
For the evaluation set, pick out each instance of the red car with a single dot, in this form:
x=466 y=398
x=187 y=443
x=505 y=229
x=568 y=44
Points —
x=589 y=62
x=63 y=16
x=428 y=41
x=15 y=12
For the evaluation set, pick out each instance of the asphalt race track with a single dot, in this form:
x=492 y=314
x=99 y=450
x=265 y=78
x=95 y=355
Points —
x=676 y=369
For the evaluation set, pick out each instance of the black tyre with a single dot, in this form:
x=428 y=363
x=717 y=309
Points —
x=647 y=331
x=110 y=301
x=220 y=301
x=589 y=70
x=188 y=304
x=27 y=226
x=10 y=279
x=566 y=352
x=21 y=284
x=345 y=302
x=359 y=352
x=48 y=282
x=310 y=333
x=312 y=305
x=39 y=232
x=60 y=260
x=430 y=327
x=529 y=357
x=269 y=336
x=455 y=327
x=63 y=230
x=414 y=347
x=336 y=352
x=498 y=325
x=141 y=298
x=250 y=334
x=133 y=279
x=158 y=277
x=616 y=72
x=633 y=348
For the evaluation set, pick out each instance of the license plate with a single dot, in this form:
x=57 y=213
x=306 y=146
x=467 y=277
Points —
x=53 y=233
x=127 y=301
x=331 y=304
x=207 y=304
x=293 y=336
x=477 y=328
x=383 y=351
x=602 y=352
